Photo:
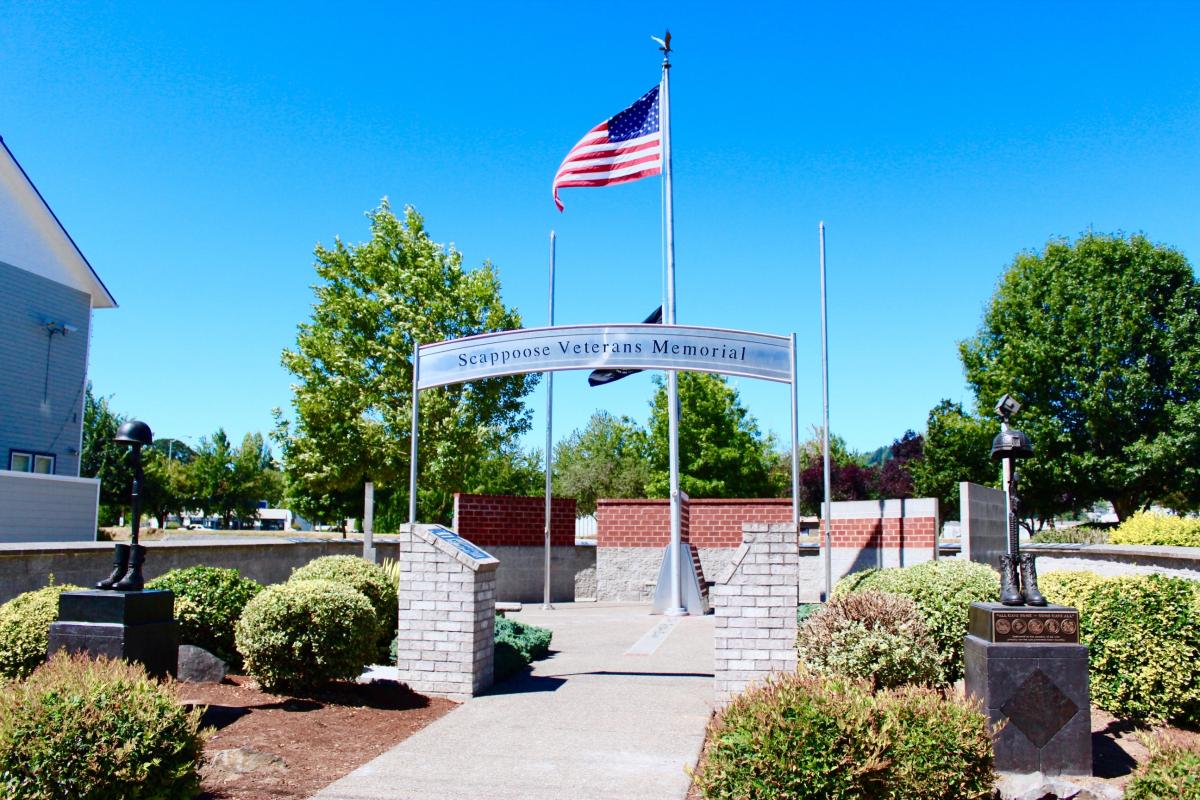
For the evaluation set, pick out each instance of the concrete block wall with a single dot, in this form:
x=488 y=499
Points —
x=447 y=615
x=494 y=520
x=868 y=534
x=755 y=602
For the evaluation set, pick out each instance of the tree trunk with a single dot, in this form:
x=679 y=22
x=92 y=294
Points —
x=1123 y=507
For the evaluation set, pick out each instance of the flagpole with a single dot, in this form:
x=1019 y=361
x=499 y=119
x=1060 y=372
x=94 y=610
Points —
x=412 y=459
x=549 y=440
x=826 y=521
x=675 y=607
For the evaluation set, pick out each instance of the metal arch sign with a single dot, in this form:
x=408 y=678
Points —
x=567 y=347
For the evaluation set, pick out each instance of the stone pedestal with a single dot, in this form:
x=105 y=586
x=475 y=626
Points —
x=134 y=626
x=447 y=613
x=1025 y=665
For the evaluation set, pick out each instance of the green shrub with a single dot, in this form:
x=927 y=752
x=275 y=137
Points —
x=96 y=730
x=1077 y=534
x=1149 y=528
x=208 y=602
x=25 y=629
x=1143 y=638
x=943 y=591
x=872 y=636
x=301 y=635
x=1173 y=771
x=372 y=580
x=803 y=737
x=517 y=645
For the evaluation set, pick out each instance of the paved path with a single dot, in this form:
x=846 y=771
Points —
x=594 y=721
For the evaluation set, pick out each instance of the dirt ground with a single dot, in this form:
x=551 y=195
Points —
x=266 y=746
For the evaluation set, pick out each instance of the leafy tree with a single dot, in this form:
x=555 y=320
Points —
x=957 y=447
x=167 y=487
x=102 y=457
x=893 y=477
x=722 y=453
x=353 y=366
x=229 y=481
x=1100 y=340
x=608 y=458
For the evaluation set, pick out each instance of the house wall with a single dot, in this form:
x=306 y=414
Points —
x=47 y=508
x=41 y=413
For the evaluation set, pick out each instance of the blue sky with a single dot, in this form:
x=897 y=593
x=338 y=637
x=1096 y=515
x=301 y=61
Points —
x=197 y=153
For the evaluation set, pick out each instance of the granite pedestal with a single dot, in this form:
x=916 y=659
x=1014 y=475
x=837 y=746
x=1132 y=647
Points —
x=1025 y=665
x=134 y=626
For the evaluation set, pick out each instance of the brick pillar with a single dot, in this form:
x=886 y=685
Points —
x=447 y=613
x=755 y=603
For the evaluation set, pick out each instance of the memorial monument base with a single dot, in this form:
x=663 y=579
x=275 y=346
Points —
x=134 y=626
x=1027 y=669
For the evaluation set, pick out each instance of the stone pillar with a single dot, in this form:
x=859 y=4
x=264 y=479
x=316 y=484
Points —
x=1025 y=666
x=134 y=626
x=447 y=613
x=755 y=603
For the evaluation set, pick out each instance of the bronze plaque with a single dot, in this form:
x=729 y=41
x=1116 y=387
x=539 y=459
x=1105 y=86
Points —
x=1051 y=627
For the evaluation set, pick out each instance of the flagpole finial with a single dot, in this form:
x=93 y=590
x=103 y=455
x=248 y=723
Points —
x=664 y=46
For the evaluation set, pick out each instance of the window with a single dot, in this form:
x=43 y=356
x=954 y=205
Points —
x=23 y=461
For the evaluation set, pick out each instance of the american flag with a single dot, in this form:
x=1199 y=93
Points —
x=620 y=149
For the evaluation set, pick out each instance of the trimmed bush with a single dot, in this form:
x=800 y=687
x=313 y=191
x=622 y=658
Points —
x=25 y=630
x=1146 y=527
x=808 y=738
x=1173 y=771
x=1143 y=639
x=96 y=730
x=872 y=636
x=1077 y=534
x=301 y=635
x=372 y=580
x=517 y=646
x=943 y=591
x=208 y=602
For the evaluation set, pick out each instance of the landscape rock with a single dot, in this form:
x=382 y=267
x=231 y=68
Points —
x=197 y=665
x=243 y=760
x=1036 y=786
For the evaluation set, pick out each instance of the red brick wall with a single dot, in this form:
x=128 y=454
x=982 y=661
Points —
x=718 y=523
x=889 y=533
x=495 y=520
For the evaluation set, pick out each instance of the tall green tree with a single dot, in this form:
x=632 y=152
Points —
x=1100 y=340
x=957 y=448
x=722 y=452
x=230 y=481
x=607 y=458
x=353 y=368
x=102 y=456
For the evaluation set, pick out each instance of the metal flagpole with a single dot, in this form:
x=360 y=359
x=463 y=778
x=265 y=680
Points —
x=826 y=521
x=549 y=440
x=675 y=608
x=795 y=443
x=412 y=458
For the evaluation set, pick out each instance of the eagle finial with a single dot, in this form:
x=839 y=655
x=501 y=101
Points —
x=664 y=44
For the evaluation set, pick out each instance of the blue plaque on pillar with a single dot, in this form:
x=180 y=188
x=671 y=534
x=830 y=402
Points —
x=452 y=538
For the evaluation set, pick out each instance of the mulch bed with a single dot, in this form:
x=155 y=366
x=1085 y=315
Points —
x=265 y=746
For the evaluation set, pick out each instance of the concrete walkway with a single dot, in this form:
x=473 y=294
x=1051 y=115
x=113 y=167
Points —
x=593 y=721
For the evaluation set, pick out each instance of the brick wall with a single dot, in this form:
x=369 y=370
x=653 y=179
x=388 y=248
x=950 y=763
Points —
x=718 y=522
x=706 y=523
x=498 y=520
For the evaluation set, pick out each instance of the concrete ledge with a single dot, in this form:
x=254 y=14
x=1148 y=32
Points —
x=1118 y=559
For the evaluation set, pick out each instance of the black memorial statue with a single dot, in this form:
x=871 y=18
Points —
x=1018 y=573
x=128 y=559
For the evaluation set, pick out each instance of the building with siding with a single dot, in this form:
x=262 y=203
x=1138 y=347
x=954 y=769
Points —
x=49 y=291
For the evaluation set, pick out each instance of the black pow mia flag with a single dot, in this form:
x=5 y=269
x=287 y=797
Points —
x=599 y=377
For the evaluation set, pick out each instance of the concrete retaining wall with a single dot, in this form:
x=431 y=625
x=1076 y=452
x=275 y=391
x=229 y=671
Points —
x=1118 y=559
x=24 y=567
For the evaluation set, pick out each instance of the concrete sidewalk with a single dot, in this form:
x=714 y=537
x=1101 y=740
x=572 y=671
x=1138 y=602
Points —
x=592 y=722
